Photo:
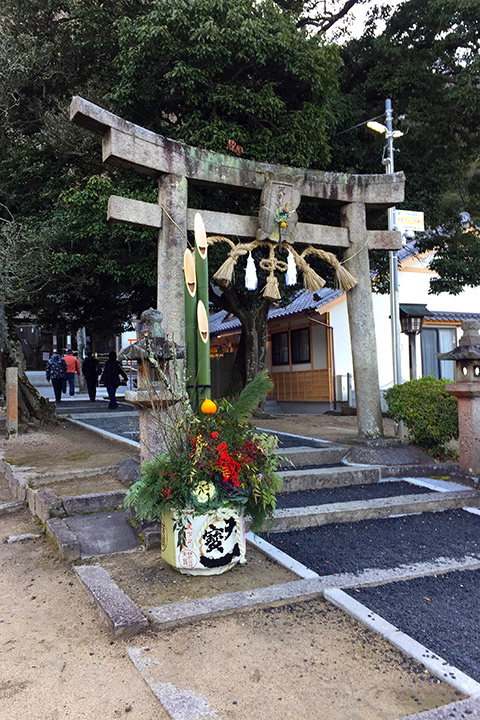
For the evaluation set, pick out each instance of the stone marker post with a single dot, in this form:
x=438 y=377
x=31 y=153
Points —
x=12 y=402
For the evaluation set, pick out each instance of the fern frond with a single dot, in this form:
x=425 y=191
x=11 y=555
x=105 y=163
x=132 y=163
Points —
x=250 y=397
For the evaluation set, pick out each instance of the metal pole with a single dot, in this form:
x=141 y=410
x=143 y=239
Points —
x=393 y=263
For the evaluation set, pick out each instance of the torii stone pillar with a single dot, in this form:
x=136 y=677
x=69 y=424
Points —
x=174 y=164
x=172 y=198
x=362 y=324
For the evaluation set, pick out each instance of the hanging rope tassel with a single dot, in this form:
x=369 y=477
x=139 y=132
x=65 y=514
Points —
x=224 y=274
x=346 y=281
x=251 y=280
x=291 y=274
x=272 y=290
x=311 y=280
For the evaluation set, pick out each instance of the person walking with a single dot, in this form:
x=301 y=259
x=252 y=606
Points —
x=73 y=366
x=91 y=370
x=111 y=378
x=56 y=371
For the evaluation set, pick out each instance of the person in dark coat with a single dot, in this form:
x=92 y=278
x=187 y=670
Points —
x=91 y=370
x=111 y=378
x=56 y=371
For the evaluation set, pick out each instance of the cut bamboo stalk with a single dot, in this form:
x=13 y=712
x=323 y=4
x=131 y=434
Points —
x=190 y=324
x=203 y=344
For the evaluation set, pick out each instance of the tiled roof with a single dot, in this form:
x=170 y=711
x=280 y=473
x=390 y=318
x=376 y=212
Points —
x=447 y=316
x=302 y=301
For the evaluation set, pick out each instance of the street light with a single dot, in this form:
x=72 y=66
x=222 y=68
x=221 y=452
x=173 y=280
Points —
x=387 y=160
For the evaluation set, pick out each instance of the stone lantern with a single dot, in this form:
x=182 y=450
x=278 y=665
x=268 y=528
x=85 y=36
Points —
x=150 y=397
x=467 y=389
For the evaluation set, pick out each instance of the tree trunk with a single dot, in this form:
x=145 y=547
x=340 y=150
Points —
x=252 y=350
x=81 y=348
x=32 y=408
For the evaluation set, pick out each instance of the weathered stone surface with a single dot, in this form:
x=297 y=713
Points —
x=293 y=480
x=461 y=710
x=128 y=145
x=301 y=456
x=128 y=471
x=121 y=615
x=395 y=454
x=64 y=538
x=315 y=515
x=10 y=507
x=93 y=502
x=46 y=505
x=22 y=538
x=440 y=470
x=362 y=324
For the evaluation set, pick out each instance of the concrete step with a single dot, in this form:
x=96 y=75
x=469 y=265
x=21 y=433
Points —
x=305 y=455
x=346 y=512
x=312 y=479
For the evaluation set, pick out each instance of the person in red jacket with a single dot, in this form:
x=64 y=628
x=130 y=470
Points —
x=73 y=366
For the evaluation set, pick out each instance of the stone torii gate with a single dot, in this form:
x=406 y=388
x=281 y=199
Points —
x=174 y=164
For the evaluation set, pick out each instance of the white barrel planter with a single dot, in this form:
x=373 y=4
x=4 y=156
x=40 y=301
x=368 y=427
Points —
x=214 y=541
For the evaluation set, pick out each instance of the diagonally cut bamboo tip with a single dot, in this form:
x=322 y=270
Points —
x=202 y=321
x=200 y=235
x=189 y=272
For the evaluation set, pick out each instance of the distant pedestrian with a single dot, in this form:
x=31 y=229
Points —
x=56 y=371
x=73 y=366
x=91 y=370
x=111 y=378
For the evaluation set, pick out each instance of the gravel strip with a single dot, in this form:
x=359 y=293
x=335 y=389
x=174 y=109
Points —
x=440 y=612
x=348 y=493
x=384 y=543
x=285 y=440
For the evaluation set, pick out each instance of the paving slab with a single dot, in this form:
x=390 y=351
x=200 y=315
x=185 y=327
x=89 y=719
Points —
x=102 y=533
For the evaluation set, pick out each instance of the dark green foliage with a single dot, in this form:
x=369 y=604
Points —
x=251 y=396
x=428 y=410
x=427 y=61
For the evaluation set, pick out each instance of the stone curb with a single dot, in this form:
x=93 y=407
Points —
x=434 y=663
x=105 y=433
x=420 y=470
x=65 y=540
x=458 y=711
x=315 y=515
x=122 y=617
x=313 y=479
x=17 y=478
x=93 y=502
x=179 y=613
x=300 y=456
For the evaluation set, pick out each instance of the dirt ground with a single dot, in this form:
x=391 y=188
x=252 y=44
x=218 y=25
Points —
x=335 y=428
x=63 y=448
x=305 y=661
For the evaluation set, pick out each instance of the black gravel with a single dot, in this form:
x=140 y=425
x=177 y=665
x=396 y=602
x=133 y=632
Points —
x=287 y=441
x=384 y=543
x=114 y=423
x=348 y=493
x=441 y=612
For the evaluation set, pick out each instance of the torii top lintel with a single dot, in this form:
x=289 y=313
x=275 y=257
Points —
x=125 y=144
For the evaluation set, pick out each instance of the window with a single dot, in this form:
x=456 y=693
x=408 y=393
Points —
x=280 y=349
x=300 y=342
x=438 y=340
x=294 y=344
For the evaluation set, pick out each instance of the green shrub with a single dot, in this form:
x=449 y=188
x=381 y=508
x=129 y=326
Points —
x=428 y=410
